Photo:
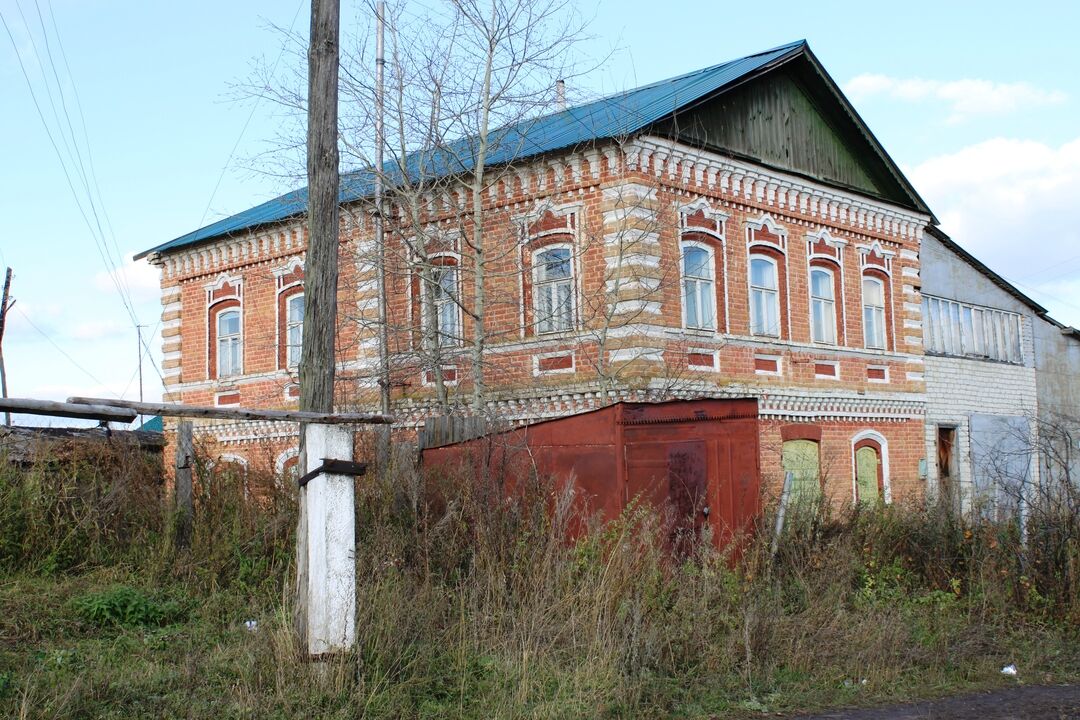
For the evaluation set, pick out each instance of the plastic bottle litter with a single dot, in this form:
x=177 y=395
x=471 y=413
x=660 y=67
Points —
x=253 y=625
x=1009 y=670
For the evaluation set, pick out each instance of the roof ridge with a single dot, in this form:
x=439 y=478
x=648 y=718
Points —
x=586 y=122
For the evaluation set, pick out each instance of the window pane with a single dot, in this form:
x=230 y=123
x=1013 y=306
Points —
x=554 y=264
x=229 y=323
x=800 y=458
x=690 y=302
x=1016 y=353
x=978 y=346
x=696 y=263
x=873 y=292
x=823 y=321
x=928 y=327
x=762 y=273
x=296 y=309
x=544 y=307
x=764 y=313
x=565 y=309
x=821 y=284
x=705 y=297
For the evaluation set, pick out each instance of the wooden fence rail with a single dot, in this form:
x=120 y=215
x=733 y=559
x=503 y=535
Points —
x=220 y=413
x=101 y=411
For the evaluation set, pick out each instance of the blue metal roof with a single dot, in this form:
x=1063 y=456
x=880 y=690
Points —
x=614 y=116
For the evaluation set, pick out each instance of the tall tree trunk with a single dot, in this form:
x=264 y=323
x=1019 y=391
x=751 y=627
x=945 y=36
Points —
x=321 y=268
x=479 y=260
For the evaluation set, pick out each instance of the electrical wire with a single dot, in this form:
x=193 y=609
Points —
x=61 y=350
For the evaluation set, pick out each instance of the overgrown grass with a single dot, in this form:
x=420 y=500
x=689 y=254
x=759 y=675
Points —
x=473 y=605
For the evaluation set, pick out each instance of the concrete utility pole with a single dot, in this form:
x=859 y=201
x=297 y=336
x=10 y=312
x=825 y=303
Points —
x=325 y=563
x=4 y=306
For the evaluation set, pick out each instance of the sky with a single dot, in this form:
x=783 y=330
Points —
x=976 y=101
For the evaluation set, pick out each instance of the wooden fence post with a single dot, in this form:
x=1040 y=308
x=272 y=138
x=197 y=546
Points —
x=185 y=502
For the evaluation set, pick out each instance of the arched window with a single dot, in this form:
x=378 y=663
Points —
x=873 y=312
x=553 y=289
x=444 y=293
x=699 y=287
x=229 y=346
x=867 y=466
x=822 y=306
x=764 y=297
x=870 y=463
x=802 y=459
x=294 y=329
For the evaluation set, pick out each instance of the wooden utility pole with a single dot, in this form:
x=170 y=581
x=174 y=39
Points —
x=321 y=265
x=380 y=238
x=3 y=319
x=317 y=358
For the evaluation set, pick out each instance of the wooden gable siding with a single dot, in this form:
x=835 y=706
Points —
x=776 y=120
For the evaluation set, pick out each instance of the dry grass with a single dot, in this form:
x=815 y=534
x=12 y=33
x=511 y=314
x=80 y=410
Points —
x=474 y=605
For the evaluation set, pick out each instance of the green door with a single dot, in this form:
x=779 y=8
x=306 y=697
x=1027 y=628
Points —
x=801 y=460
x=866 y=475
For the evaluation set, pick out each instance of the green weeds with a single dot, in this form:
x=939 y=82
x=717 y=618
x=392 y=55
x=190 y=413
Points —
x=471 y=604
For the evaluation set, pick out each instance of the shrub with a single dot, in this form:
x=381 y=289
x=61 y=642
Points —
x=125 y=606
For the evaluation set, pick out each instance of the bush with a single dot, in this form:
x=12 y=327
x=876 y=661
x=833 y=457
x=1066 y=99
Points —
x=126 y=606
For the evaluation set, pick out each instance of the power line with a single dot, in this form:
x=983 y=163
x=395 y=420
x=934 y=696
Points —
x=61 y=350
x=99 y=242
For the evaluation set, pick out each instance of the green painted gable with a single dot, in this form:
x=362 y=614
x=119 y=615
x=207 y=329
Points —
x=793 y=118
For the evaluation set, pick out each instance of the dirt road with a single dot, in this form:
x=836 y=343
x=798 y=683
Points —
x=1061 y=702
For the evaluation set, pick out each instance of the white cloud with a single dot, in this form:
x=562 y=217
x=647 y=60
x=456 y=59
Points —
x=100 y=330
x=965 y=98
x=138 y=277
x=1012 y=203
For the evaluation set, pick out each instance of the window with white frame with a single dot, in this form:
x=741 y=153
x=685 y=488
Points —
x=294 y=329
x=964 y=330
x=764 y=297
x=699 y=290
x=553 y=289
x=229 y=348
x=444 y=293
x=822 y=306
x=873 y=291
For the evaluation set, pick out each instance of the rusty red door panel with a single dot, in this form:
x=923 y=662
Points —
x=681 y=455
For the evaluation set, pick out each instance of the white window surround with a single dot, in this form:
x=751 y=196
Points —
x=764 y=300
x=884 y=445
x=823 y=324
x=225 y=393
x=446 y=381
x=884 y=368
x=766 y=222
x=719 y=218
x=779 y=365
x=832 y=363
x=537 y=372
x=711 y=352
x=279 y=464
x=873 y=314
x=698 y=289
x=556 y=293
x=445 y=271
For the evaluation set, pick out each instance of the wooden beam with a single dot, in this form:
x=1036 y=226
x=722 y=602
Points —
x=84 y=411
x=218 y=413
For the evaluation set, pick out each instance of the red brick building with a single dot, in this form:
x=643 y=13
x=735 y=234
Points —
x=734 y=232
